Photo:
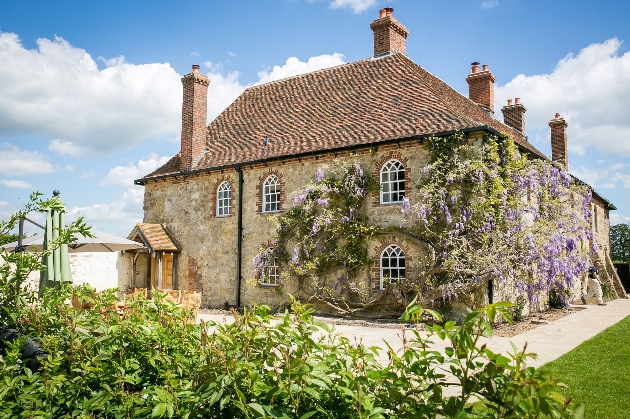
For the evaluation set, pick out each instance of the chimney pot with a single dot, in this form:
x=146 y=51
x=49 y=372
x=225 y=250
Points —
x=481 y=87
x=194 y=113
x=389 y=35
x=559 y=152
x=514 y=115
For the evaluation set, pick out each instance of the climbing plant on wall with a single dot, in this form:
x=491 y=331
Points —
x=482 y=212
x=488 y=213
x=325 y=231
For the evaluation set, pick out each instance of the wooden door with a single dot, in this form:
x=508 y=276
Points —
x=167 y=272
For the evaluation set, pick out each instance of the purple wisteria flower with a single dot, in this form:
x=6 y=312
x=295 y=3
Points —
x=319 y=176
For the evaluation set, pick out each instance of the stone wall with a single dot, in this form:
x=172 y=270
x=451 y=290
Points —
x=187 y=207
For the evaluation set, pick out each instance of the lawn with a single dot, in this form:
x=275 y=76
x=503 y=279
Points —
x=598 y=373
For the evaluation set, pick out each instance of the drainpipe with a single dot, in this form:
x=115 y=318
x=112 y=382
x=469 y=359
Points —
x=239 y=238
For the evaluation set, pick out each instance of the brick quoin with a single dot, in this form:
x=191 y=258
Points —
x=481 y=87
x=376 y=270
x=389 y=34
x=194 y=114
x=392 y=155
x=559 y=151
x=193 y=284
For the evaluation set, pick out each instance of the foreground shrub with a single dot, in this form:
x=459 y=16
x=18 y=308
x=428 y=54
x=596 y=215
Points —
x=154 y=363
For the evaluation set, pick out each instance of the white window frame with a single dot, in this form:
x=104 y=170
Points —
x=391 y=192
x=224 y=199
x=271 y=195
x=270 y=275
x=392 y=253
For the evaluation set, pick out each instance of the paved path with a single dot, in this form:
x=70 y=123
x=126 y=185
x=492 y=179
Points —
x=549 y=341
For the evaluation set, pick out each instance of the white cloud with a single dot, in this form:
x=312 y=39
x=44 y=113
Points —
x=195 y=54
x=86 y=175
x=69 y=168
x=590 y=90
x=18 y=162
x=3 y=203
x=490 y=4
x=603 y=178
x=294 y=66
x=20 y=184
x=231 y=54
x=116 y=217
x=357 y=6
x=58 y=91
x=618 y=219
x=125 y=175
x=81 y=109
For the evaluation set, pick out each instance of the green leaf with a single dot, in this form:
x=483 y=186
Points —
x=158 y=410
x=257 y=408
x=308 y=414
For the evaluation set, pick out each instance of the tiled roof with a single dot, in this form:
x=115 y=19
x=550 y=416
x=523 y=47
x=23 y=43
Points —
x=155 y=236
x=360 y=103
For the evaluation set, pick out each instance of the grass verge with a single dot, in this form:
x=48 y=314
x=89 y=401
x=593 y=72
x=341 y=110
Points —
x=598 y=372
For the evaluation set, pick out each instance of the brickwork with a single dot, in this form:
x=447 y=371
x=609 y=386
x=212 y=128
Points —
x=213 y=197
x=559 y=152
x=389 y=34
x=193 y=284
x=514 y=115
x=259 y=195
x=376 y=259
x=481 y=88
x=194 y=114
x=376 y=174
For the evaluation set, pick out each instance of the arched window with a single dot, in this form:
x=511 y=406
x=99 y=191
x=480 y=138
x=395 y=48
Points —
x=271 y=195
x=392 y=265
x=270 y=275
x=392 y=182
x=224 y=198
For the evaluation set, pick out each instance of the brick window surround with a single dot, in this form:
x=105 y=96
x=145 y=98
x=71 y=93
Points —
x=214 y=196
x=378 y=252
x=386 y=158
x=260 y=191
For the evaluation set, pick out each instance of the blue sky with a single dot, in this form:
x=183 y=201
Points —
x=90 y=97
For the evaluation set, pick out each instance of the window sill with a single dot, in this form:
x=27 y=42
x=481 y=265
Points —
x=268 y=285
x=270 y=212
x=224 y=216
x=391 y=203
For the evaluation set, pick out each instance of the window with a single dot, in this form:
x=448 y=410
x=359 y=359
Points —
x=595 y=219
x=392 y=182
x=392 y=265
x=271 y=195
x=224 y=197
x=270 y=275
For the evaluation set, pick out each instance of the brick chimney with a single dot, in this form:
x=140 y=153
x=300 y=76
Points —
x=194 y=114
x=559 y=151
x=481 y=87
x=514 y=115
x=389 y=34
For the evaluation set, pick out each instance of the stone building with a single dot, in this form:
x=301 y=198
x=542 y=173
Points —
x=217 y=197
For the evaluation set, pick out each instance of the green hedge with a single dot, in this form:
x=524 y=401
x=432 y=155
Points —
x=154 y=363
